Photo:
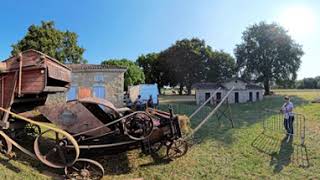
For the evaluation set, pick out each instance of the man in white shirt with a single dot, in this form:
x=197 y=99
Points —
x=287 y=110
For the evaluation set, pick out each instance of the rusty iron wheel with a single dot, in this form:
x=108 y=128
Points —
x=138 y=126
x=177 y=149
x=5 y=145
x=50 y=147
x=84 y=169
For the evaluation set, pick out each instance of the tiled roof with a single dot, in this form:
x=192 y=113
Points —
x=207 y=86
x=76 y=67
x=253 y=86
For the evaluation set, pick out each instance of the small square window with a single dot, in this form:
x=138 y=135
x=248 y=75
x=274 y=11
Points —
x=98 y=77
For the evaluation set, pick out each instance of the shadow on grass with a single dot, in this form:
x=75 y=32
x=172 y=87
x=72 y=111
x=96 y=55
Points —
x=157 y=160
x=282 y=152
x=6 y=162
x=243 y=115
x=115 y=164
x=36 y=165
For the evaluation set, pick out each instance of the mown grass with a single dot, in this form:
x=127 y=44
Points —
x=219 y=152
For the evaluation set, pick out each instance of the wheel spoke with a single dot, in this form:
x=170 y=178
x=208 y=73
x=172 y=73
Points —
x=177 y=149
x=92 y=169
x=52 y=151
x=63 y=158
x=45 y=147
x=75 y=169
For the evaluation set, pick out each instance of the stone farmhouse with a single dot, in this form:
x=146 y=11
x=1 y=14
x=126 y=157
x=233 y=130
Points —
x=244 y=91
x=101 y=81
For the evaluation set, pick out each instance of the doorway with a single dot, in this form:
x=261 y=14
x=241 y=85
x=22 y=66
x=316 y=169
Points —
x=218 y=97
x=236 y=97
x=207 y=96
x=250 y=97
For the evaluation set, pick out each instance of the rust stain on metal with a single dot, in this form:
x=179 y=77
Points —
x=73 y=117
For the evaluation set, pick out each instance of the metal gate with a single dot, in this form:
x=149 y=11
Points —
x=275 y=123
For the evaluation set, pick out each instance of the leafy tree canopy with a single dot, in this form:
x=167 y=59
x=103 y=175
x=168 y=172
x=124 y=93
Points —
x=149 y=64
x=221 y=66
x=58 y=44
x=309 y=83
x=133 y=76
x=186 y=60
x=267 y=53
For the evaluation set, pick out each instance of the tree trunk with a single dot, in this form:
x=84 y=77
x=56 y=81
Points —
x=266 y=87
x=189 y=87
x=159 y=89
x=181 y=89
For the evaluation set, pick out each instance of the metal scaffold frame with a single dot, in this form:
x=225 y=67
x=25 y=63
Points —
x=214 y=111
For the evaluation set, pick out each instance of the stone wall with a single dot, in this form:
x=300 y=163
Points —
x=112 y=81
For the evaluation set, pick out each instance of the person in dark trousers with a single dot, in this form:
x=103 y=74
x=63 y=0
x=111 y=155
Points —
x=138 y=103
x=150 y=102
x=287 y=110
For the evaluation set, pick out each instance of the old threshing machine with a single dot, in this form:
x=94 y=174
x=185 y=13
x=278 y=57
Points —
x=65 y=133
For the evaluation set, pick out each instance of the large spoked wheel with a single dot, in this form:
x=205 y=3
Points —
x=5 y=145
x=138 y=126
x=84 y=169
x=177 y=149
x=51 y=149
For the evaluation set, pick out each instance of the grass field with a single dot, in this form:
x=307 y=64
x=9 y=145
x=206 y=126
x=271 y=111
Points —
x=219 y=152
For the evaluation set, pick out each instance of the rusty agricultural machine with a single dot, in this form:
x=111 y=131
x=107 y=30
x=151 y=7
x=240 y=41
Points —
x=63 y=134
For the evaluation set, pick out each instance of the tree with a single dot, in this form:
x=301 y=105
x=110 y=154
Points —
x=186 y=62
x=133 y=76
x=156 y=69
x=221 y=66
x=51 y=41
x=268 y=53
x=149 y=63
x=309 y=83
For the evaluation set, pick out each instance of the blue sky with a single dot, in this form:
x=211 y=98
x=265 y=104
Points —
x=127 y=29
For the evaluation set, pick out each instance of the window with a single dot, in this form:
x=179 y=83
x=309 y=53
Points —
x=98 y=77
x=99 y=91
x=72 y=93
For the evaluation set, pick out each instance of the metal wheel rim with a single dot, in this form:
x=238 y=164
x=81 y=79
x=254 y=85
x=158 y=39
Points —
x=177 y=149
x=69 y=171
x=148 y=122
x=6 y=147
x=43 y=158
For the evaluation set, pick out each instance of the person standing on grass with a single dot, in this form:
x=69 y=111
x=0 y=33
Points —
x=150 y=102
x=287 y=110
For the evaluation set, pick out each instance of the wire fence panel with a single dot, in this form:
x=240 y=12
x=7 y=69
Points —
x=274 y=122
